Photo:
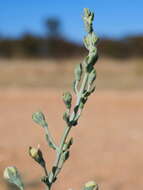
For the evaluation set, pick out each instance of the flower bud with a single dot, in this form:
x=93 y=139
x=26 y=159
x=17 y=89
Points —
x=86 y=12
x=12 y=175
x=8 y=170
x=37 y=155
x=67 y=98
x=78 y=72
x=66 y=117
x=91 y=185
x=88 y=19
x=39 y=118
x=33 y=152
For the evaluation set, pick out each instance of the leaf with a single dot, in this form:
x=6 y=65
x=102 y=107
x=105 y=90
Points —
x=93 y=89
x=70 y=143
x=81 y=105
x=78 y=72
x=89 y=67
x=66 y=117
x=73 y=122
x=66 y=155
x=76 y=109
x=92 y=77
x=50 y=143
x=73 y=86
x=54 y=169
x=45 y=180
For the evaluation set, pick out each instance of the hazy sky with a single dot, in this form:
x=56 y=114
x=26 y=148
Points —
x=114 y=18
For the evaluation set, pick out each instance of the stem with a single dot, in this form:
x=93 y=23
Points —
x=76 y=86
x=45 y=170
x=90 y=43
x=59 y=153
x=80 y=94
x=50 y=136
x=68 y=128
x=48 y=187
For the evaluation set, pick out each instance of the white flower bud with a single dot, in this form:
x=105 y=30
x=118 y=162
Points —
x=91 y=185
x=12 y=175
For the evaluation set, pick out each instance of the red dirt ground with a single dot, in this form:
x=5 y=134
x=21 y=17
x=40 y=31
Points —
x=107 y=143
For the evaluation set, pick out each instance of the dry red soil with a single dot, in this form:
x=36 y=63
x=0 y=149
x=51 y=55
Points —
x=108 y=142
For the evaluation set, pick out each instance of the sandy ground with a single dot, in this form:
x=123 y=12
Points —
x=107 y=143
x=111 y=74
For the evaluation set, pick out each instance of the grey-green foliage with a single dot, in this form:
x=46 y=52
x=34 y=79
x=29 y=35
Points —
x=67 y=98
x=83 y=86
x=12 y=175
x=39 y=118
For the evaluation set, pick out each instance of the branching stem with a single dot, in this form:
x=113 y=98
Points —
x=68 y=128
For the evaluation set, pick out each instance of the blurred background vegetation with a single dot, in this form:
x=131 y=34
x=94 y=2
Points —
x=54 y=30
x=52 y=52
x=55 y=45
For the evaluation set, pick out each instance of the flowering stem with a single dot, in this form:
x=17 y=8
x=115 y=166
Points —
x=67 y=130
x=86 y=70
x=85 y=75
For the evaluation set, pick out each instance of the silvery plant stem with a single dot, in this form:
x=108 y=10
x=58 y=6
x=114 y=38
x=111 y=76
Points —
x=68 y=128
